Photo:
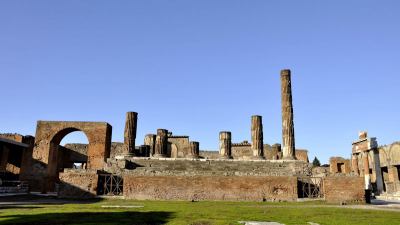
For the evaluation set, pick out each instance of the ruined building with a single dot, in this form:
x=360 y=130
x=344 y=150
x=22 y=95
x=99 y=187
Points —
x=171 y=167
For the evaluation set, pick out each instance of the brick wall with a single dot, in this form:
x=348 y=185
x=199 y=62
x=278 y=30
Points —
x=231 y=188
x=78 y=184
x=344 y=189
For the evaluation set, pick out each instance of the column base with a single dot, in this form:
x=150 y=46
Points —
x=193 y=157
x=226 y=157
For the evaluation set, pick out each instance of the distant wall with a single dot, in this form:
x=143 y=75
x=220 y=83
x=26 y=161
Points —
x=344 y=189
x=210 y=188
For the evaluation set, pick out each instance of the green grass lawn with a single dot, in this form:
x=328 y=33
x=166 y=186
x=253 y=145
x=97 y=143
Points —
x=200 y=213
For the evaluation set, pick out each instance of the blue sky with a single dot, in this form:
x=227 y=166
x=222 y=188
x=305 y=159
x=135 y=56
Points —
x=200 y=67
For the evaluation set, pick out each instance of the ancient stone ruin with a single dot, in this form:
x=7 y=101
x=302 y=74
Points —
x=168 y=166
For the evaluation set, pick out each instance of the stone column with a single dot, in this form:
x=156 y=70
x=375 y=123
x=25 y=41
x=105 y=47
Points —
x=287 y=117
x=225 y=144
x=150 y=140
x=130 y=132
x=194 y=149
x=161 y=144
x=367 y=176
x=354 y=164
x=257 y=145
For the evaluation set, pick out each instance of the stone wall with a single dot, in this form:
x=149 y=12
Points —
x=389 y=154
x=77 y=184
x=339 y=165
x=228 y=188
x=344 y=189
x=187 y=167
x=117 y=148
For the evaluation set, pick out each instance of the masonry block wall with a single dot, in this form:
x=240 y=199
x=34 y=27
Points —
x=78 y=184
x=231 y=188
x=344 y=189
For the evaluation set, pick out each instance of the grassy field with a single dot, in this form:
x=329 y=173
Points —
x=196 y=213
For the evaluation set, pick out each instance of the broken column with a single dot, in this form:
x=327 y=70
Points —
x=287 y=116
x=257 y=145
x=194 y=149
x=130 y=132
x=150 y=140
x=225 y=144
x=161 y=145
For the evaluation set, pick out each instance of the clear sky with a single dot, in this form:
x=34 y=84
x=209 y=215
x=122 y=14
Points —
x=200 y=67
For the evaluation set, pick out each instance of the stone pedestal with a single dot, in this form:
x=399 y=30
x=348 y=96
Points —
x=287 y=116
x=130 y=133
x=225 y=145
x=150 y=140
x=194 y=150
x=257 y=145
x=161 y=145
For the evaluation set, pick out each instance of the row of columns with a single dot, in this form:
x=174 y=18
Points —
x=257 y=145
x=158 y=144
x=155 y=145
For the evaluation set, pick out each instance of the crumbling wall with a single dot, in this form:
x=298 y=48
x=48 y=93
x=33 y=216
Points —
x=344 y=189
x=302 y=155
x=245 y=188
x=339 y=165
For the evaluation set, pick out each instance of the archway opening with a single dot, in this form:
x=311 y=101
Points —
x=68 y=150
x=74 y=147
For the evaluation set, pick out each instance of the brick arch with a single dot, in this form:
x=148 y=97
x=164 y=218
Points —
x=49 y=135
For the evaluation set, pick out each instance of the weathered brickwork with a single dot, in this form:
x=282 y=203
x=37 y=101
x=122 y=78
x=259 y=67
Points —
x=339 y=165
x=78 y=184
x=246 y=188
x=344 y=189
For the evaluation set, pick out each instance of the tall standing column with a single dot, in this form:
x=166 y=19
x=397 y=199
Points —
x=257 y=145
x=161 y=143
x=194 y=149
x=225 y=144
x=130 y=132
x=287 y=116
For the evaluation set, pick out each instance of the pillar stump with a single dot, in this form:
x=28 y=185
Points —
x=194 y=150
x=225 y=145
x=257 y=144
x=161 y=144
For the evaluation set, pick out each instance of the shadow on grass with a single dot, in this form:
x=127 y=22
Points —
x=120 y=218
